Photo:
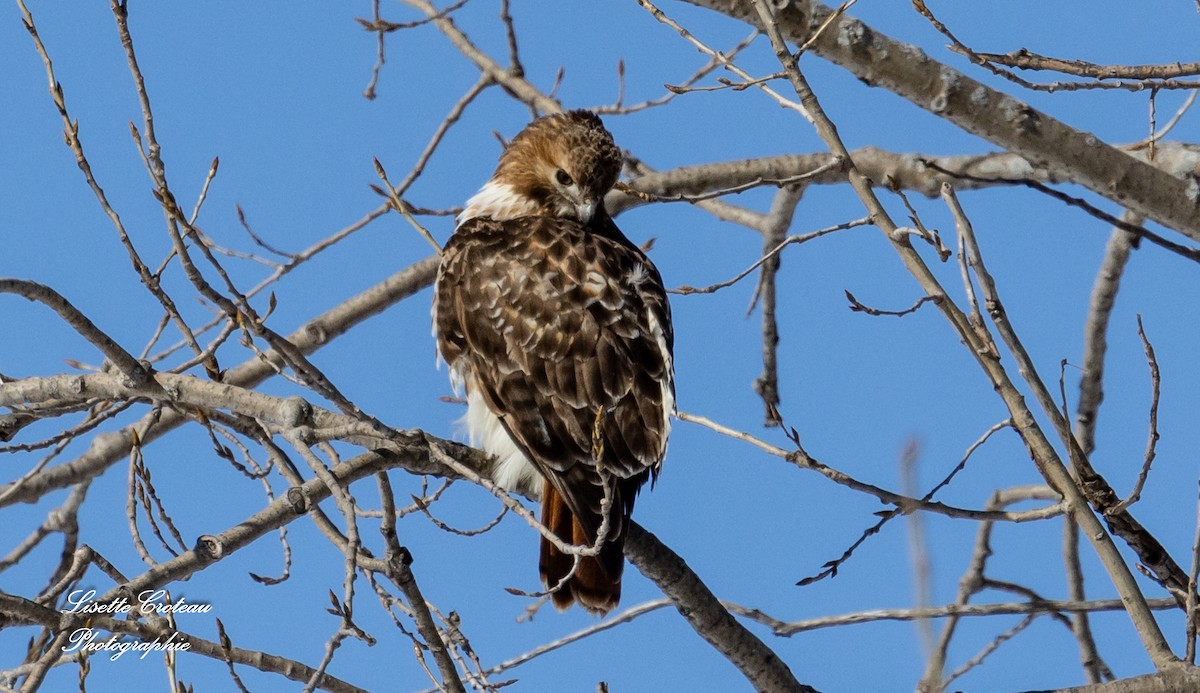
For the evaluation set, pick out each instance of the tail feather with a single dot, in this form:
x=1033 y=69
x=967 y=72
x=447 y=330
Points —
x=554 y=564
x=596 y=584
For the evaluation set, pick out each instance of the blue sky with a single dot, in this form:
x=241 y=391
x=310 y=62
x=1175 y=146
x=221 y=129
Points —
x=276 y=93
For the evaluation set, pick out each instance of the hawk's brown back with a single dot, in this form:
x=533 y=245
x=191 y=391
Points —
x=565 y=330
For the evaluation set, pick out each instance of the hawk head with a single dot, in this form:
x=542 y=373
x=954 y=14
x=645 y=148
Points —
x=560 y=165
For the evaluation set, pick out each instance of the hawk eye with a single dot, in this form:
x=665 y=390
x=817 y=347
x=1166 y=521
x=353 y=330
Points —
x=563 y=177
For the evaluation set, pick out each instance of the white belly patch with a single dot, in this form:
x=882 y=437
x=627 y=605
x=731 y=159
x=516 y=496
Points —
x=513 y=471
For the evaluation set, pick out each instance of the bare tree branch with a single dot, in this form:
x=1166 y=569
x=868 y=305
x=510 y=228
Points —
x=123 y=360
x=1081 y=157
x=1041 y=450
x=764 y=669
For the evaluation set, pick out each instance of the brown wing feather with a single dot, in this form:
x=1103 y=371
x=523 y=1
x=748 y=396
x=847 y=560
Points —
x=554 y=327
x=566 y=332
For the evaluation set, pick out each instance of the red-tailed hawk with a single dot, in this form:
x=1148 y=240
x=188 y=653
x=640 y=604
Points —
x=558 y=328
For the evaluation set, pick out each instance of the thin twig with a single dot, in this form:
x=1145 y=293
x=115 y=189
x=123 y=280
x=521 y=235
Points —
x=790 y=240
x=683 y=87
x=1152 y=439
x=789 y=628
x=990 y=648
x=972 y=582
x=904 y=504
x=383 y=25
x=833 y=17
x=1190 y=605
x=990 y=62
x=1025 y=59
x=402 y=207
x=208 y=179
x=608 y=623
x=123 y=360
x=1188 y=252
x=379 y=29
x=1169 y=126
x=435 y=140
x=858 y=307
x=510 y=35
x=1094 y=667
x=241 y=215
x=830 y=568
x=718 y=56
x=1153 y=123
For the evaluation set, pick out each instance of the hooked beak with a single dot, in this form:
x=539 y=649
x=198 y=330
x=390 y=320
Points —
x=586 y=209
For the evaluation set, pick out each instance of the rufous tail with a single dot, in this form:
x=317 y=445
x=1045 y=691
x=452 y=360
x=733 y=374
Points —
x=596 y=584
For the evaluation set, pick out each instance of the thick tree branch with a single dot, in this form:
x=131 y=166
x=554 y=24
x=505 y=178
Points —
x=904 y=69
x=696 y=603
x=1169 y=681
